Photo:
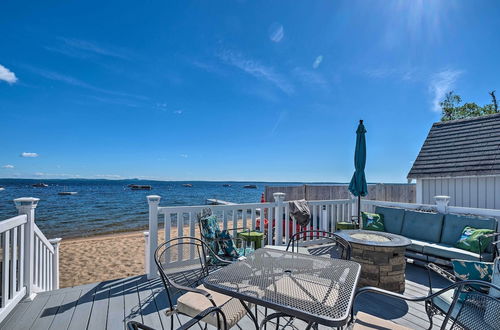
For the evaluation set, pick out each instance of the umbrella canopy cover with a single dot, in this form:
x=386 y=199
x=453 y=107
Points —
x=358 y=185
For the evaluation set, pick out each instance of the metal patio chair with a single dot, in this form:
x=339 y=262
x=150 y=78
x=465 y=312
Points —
x=468 y=309
x=320 y=243
x=182 y=278
x=134 y=325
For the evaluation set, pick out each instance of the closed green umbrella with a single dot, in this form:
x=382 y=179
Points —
x=358 y=185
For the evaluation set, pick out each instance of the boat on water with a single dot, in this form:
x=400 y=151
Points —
x=140 y=187
x=226 y=185
x=250 y=186
x=67 y=193
x=187 y=185
x=40 y=185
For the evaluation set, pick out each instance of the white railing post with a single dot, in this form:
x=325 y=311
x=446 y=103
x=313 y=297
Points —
x=27 y=205
x=442 y=203
x=153 y=201
x=55 y=262
x=146 y=252
x=278 y=217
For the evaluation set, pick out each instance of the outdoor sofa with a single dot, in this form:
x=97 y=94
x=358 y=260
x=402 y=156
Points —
x=434 y=235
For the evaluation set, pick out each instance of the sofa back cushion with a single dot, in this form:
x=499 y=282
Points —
x=423 y=226
x=454 y=224
x=393 y=218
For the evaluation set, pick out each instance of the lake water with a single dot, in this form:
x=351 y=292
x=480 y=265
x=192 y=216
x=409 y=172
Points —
x=107 y=206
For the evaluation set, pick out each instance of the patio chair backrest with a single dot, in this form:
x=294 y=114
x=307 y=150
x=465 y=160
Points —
x=331 y=244
x=177 y=273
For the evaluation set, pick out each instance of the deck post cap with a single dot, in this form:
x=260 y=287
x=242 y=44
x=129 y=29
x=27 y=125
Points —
x=279 y=196
x=26 y=201
x=153 y=199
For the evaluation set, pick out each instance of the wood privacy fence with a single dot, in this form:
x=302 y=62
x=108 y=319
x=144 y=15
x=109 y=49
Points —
x=393 y=192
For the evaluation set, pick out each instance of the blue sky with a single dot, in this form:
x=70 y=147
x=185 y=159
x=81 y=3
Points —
x=233 y=90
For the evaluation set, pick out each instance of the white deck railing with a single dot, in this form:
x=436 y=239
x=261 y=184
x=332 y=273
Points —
x=183 y=221
x=30 y=262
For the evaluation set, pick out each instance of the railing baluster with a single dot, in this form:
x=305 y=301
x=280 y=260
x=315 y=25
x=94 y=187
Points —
x=5 y=268
x=192 y=228
x=21 y=258
x=180 y=231
x=287 y=224
x=270 y=224
x=253 y=216
x=13 y=268
x=235 y=222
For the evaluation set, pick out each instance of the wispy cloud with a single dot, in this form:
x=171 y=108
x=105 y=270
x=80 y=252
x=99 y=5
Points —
x=67 y=79
x=317 y=62
x=441 y=83
x=29 y=154
x=391 y=72
x=256 y=69
x=84 y=49
x=276 y=32
x=7 y=75
x=8 y=166
x=178 y=112
x=184 y=155
x=310 y=78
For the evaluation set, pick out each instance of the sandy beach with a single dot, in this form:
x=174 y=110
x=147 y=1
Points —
x=101 y=258
x=105 y=257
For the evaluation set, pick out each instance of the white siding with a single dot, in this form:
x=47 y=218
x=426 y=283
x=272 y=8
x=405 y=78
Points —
x=480 y=192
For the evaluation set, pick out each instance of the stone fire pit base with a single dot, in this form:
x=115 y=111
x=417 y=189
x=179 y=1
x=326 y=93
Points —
x=381 y=266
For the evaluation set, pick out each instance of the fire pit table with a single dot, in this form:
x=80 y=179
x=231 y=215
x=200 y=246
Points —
x=381 y=255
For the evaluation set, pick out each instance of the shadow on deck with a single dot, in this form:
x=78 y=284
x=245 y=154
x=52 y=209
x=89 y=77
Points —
x=110 y=304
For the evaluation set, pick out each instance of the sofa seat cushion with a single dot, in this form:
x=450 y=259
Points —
x=393 y=218
x=192 y=304
x=418 y=245
x=422 y=226
x=366 y=321
x=449 y=252
x=454 y=224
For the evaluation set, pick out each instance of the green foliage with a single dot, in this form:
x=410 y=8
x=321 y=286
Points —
x=451 y=108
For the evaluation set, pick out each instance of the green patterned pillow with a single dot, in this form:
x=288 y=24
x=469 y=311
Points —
x=469 y=240
x=373 y=221
x=227 y=245
x=472 y=270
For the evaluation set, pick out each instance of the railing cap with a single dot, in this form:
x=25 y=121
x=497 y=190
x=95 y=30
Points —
x=55 y=241
x=153 y=199
x=279 y=196
x=26 y=201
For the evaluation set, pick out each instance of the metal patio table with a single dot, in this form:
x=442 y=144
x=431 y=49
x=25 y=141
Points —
x=317 y=290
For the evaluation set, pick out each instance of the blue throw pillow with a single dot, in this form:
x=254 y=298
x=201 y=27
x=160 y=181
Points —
x=227 y=245
x=472 y=270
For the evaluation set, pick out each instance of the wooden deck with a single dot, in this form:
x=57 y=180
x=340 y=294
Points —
x=109 y=305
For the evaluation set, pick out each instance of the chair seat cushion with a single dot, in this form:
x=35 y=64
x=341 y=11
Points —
x=444 y=300
x=299 y=249
x=192 y=304
x=449 y=252
x=367 y=321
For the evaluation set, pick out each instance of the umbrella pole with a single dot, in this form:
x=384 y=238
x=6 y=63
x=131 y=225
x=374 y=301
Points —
x=359 y=210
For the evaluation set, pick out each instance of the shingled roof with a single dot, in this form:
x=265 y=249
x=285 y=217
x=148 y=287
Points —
x=460 y=147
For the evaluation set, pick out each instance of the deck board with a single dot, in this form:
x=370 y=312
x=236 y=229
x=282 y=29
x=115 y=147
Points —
x=110 y=304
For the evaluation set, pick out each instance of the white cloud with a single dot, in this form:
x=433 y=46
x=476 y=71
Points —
x=29 y=154
x=178 y=112
x=317 y=61
x=276 y=32
x=184 y=155
x=441 y=83
x=256 y=69
x=310 y=78
x=7 y=75
x=8 y=166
